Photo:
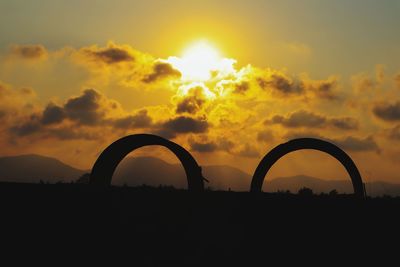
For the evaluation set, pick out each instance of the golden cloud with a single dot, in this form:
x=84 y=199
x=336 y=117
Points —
x=251 y=104
x=397 y=80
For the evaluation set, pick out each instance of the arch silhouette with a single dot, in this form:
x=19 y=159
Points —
x=105 y=165
x=307 y=143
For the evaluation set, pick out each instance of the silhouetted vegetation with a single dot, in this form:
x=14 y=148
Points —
x=305 y=192
x=160 y=222
x=333 y=192
x=84 y=179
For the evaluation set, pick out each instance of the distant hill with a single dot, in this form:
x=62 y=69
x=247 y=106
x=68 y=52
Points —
x=148 y=170
x=135 y=171
x=33 y=168
x=153 y=171
x=131 y=171
x=224 y=177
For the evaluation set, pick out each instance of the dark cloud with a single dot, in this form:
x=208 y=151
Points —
x=29 y=51
x=85 y=109
x=303 y=118
x=203 y=146
x=31 y=126
x=345 y=123
x=351 y=143
x=387 y=111
x=281 y=84
x=166 y=133
x=299 y=118
x=53 y=114
x=278 y=82
x=139 y=120
x=88 y=109
x=184 y=124
x=241 y=88
x=192 y=101
x=189 y=104
x=161 y=70
x=180 y=125
x=110 y=54
x=220 y=144
x=324 y=88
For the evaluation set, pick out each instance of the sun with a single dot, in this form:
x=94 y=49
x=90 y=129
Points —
x=198 y=62
x=203 y=66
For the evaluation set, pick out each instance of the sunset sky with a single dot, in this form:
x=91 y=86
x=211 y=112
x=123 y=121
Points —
x=228 y=80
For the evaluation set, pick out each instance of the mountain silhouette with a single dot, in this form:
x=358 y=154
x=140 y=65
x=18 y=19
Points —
x=153 y=171
x=134 y=171
x=33 y=168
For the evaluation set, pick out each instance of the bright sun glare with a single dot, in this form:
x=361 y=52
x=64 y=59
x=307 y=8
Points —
x=202 y=65
x=197 y=62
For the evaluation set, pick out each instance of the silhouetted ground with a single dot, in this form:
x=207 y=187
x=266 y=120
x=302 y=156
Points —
x=174 y=227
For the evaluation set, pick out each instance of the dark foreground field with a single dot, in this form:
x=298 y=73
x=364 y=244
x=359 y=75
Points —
x=162 y=226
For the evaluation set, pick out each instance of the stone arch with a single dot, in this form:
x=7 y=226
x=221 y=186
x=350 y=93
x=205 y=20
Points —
x=307 y=143
x=105 y=165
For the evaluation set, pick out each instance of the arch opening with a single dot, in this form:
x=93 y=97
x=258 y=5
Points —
x=307 y=143
x=105 y=165
x=151 y=166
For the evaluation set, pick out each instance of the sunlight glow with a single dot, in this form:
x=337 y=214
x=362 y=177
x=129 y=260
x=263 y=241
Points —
x=202 y=66
x=198 y=62
x=184 y=89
